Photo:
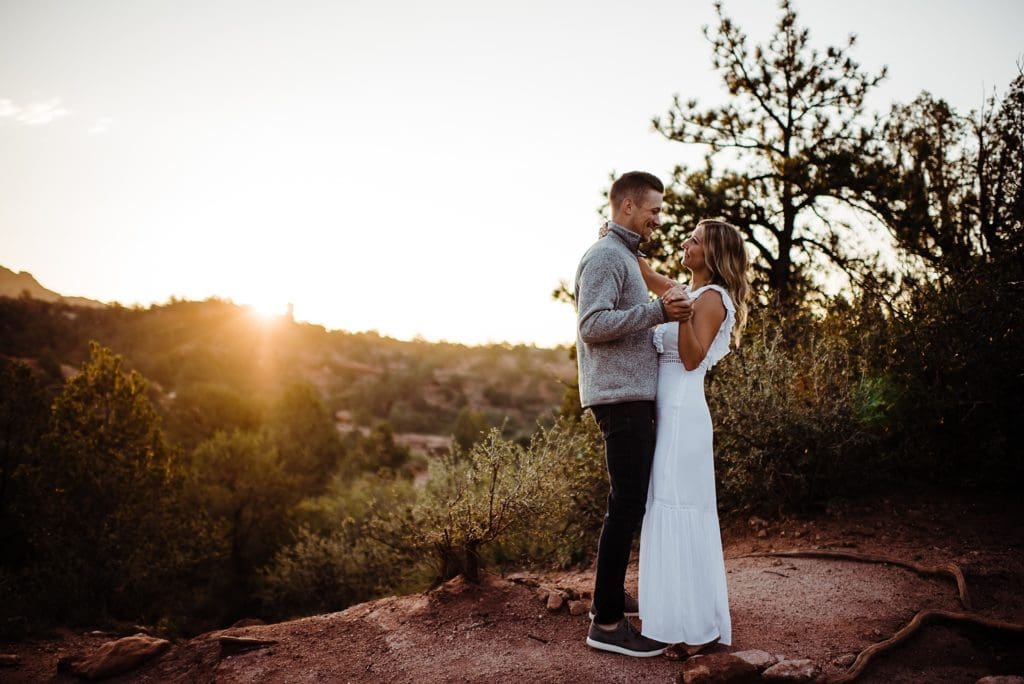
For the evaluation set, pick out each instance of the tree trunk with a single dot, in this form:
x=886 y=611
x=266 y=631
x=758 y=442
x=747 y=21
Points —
x=471 y=563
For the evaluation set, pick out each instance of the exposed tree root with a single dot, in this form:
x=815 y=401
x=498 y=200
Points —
x=923 y=617
x=942 y=569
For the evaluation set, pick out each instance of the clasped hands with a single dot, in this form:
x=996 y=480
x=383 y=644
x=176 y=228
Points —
x=678 y=304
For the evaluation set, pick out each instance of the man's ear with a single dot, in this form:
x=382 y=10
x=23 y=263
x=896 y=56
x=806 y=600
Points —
x=627 y=205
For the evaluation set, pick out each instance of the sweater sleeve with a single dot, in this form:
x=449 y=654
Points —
x=601 y=279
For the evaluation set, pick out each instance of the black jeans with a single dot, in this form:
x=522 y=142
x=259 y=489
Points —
x=628 y=430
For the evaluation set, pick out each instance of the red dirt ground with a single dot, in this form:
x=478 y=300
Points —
x=499 y=631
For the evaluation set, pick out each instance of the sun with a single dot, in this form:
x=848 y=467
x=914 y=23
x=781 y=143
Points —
x=269 y=309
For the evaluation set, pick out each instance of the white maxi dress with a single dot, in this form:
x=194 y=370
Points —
x=683 y=596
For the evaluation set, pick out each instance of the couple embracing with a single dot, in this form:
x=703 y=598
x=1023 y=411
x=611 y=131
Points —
x=641 y=372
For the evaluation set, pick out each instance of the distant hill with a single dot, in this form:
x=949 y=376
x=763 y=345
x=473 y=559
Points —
x=18 y=284
x=187 y=348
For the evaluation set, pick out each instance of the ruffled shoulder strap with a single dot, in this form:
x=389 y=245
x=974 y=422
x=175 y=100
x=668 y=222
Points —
x=720 y=344
x=726 y=299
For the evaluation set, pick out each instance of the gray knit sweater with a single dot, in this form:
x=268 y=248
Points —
x=616 y=359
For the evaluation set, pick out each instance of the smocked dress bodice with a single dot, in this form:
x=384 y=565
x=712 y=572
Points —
x=666 y=335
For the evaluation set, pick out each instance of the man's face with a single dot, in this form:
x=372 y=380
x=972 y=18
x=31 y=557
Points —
x=646 y=215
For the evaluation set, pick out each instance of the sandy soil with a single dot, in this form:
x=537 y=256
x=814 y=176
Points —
x=500 y=631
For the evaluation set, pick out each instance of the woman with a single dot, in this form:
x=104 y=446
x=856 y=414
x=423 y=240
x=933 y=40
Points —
x=683 y=597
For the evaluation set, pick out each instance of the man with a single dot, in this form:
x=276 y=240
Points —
x=618 y=376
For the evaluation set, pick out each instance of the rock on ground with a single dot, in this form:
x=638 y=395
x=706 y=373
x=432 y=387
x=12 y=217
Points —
x=791 y=671
x=717 y=668
x=762 y=660
x=578 y=607
x=844 y=661
x=114 y=657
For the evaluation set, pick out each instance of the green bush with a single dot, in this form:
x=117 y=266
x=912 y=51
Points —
x=110 y=532
x=470 y=500
x=357 y=498
x=469 y=428
x=574 y=488
x=501 y=502
x=200 y=410
x=24 y=420
x=239 y=482
x=332 y=562
x=302 y=428
x=798 y=423
x=373 y=451
x=328 y=572
x=960 y=366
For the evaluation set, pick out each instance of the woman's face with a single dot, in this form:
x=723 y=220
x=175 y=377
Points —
x=693 y=250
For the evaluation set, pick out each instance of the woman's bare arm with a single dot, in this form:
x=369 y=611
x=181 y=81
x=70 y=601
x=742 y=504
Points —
x=656 y=283
x=697 y=334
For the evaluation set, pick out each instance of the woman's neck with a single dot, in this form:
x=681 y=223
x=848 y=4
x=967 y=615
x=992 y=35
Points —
x=699 y=279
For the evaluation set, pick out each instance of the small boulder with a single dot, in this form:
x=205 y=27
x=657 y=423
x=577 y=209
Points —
x=523 y=579
x=578 y=607
x=9 y=660
x=542 y=594
x=791 y=671
x=1001 y=679
x=555 y=601
x=113 y=657
x=762 y=660
x=717 y=668
x=844 y=661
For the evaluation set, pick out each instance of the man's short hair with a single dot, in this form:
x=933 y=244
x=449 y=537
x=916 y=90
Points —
x=633 y=184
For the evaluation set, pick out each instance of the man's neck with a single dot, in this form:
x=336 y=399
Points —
x=631 y=239
x=626 y=228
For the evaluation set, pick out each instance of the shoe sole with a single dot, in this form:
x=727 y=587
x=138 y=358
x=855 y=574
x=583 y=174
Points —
x=612 y=648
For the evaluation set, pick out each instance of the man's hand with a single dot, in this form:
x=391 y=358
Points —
x=678 y=304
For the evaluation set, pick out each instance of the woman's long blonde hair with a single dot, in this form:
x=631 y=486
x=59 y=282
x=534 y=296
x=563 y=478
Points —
x=726 y=257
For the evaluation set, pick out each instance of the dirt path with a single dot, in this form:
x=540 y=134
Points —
x=499 y=631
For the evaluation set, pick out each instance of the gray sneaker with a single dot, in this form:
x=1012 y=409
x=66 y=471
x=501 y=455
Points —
x=631 y=608
x=624 y=639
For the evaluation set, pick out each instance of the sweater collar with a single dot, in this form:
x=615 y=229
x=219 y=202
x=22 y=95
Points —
x=631 y=239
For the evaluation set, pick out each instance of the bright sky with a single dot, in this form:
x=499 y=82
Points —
x=414 y=168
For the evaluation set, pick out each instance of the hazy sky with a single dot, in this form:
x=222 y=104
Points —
x=409 y=167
